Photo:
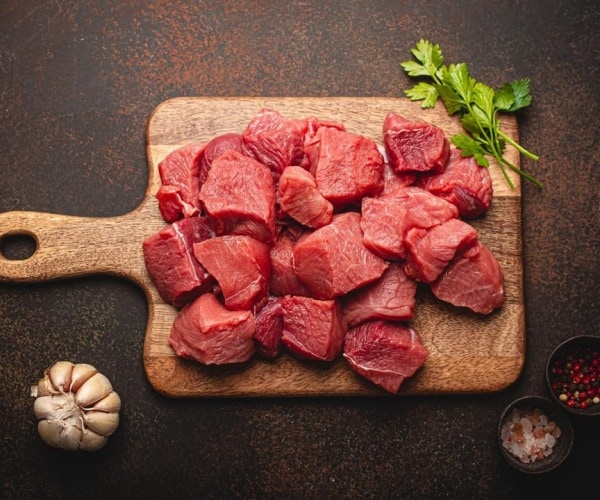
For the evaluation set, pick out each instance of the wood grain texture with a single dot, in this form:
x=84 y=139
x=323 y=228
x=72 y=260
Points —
x=469 y=353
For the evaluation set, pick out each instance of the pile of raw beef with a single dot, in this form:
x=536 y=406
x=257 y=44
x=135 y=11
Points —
x=297 y=234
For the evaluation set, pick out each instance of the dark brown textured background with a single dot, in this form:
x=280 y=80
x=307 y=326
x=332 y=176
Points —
x=78 y=81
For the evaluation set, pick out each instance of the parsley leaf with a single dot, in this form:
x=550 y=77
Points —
x=520 y=90
x=451 y=99
x=476 y=103
x=504 y=98
x=429 y=55
x=424 y=92
x=470 y=147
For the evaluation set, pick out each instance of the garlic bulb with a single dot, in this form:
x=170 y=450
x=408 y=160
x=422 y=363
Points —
x=76 y=407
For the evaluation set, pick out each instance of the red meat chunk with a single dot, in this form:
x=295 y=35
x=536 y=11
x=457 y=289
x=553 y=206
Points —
x=206 y=331
x=428 y=251
x=178 y=194
x=473 y=280
x=239 y=195
x=269 y=328
x=312 y=328
x=386 y=220
x=382 y=224
x=414 y=146
x=333 y=260
x=284 y=280
x=170 y=262
x=463 y=183
x=300 y=199
x=390 y=297
x=215 y=148
x=311 y=140
x=393 y=182
x=274 y=141
x=385 y=353
x=241 y=266
x=348 y=166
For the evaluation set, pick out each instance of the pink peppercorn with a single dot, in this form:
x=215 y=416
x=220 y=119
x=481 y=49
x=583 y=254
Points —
x=575 y=378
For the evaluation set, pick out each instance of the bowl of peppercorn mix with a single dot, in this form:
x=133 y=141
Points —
x=534 y=434
x=573 y=375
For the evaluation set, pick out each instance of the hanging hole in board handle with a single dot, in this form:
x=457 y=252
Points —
x=18 y=245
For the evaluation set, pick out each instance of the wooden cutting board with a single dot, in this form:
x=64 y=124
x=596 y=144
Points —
x=468 y=353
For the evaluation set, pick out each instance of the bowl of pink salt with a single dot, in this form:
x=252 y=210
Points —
x=534 y=434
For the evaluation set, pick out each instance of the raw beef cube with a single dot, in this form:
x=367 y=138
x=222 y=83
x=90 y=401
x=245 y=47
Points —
x=383 y=227
x=178 y=194
x=393 y=182
x=284 y=280
x=300 y=199
x=170 y=261
x=349 y=166
x=386 y=220
x=414 y=146
x=211 y=334
x=333 y=260
x=313 y=125
x=428 y=251
x=241 y=266
x=384 y=352
x=390 y=297
x=172 y=206
x=239 y=195
x=215 y=148
x=473 y=280
x=269 y=328
x=311 y=141
x=274 y=141
x=463 y=183
x=312 y=328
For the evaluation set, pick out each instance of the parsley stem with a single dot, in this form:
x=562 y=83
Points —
x=522 y=173
x=495 y=149
x=519 y=148
x=501 y=161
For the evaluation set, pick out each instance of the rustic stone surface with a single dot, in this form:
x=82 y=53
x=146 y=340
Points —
x=78 y=81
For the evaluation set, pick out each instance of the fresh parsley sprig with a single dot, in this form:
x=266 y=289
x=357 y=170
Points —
x=477 y=105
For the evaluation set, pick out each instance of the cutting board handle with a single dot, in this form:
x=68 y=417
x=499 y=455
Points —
x=71 y=246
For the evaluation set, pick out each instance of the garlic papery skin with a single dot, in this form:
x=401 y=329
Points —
x=82 y=372
x=93 y=390
x=102 y=423
x=60 y=374
x=76 y=407
x=110 y=403
x=92 y=441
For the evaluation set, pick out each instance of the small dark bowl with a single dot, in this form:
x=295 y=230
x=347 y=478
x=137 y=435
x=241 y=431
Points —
x=563 y=444
x=573 y=346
